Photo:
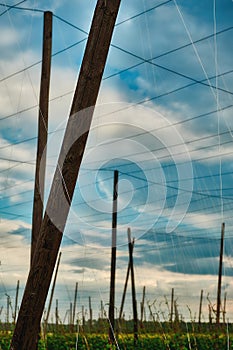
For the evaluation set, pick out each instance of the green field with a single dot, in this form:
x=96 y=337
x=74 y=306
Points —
x=164 y=337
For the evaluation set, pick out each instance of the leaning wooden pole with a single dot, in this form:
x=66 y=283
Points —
x=220 y=275
x=52 y=292
x=124 y=291
x=134 y=301
x=37 y=213
x=65 y=177
x=113 y=261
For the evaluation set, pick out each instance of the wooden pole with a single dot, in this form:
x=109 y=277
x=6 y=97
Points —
x=220 y=275
x=172 y=305
x=16 y=301
x=142 y=304
x=224 y=307
x=7 y=310
x=124 y=291
x=90 y=313
x=37 y=213
x=75 y=302
x=52 y=292
x=151 y=313
x=210 y=313
x=113 y=260
x=83 y=316
x=71 y=317
x=177 y=320
x=57 y=315
x=134 y=301
x=101 y=309
x=66 y=174
x=200 y=307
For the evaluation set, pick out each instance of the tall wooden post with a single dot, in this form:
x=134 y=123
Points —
x=16 y=301
x=145 y=319
x=220 y=275
x=142 y=304
x=65 y=177
x=56 y=315
x=83 y=316
x=134 y=301
x=200 y=307
x=7 y=310
x=113 y=260
x=37 y=214
x=75 y=302
x=210 y=313
x=90 y=314
x=52 y=292
x=224 y=308
x=101 y=309
x=71 y=318
x=177 y=319
x=172 y=306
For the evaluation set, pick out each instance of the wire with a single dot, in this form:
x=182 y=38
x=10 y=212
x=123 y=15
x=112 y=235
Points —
x=38 y=62
x=122 y=71
x=174 y=187
x=14 y=214
x=132 y=136
x=21 y=8
x=70 y=24
x=172 y=51
x=10 y=7
x=143 y=12
x=195 y=49
x=32 y=162
x=173 y=71
x=119 y=110
x=135 y=214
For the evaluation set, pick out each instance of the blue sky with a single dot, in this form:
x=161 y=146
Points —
x=163 y=119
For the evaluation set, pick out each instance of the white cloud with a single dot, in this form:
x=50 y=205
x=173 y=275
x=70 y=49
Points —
x=14 y=251
x=202 y=220
x=9 y=38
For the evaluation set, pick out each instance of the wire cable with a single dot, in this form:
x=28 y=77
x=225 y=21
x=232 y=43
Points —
x=14 y=7
x=173 y=71
x=10 y=7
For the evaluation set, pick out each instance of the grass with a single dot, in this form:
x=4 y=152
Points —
x=164 y=337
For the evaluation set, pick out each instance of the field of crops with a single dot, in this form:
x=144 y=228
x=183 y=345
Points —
x=215 y=339
x=155 y=341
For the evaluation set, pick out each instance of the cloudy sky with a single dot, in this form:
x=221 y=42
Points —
x=163 y=120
